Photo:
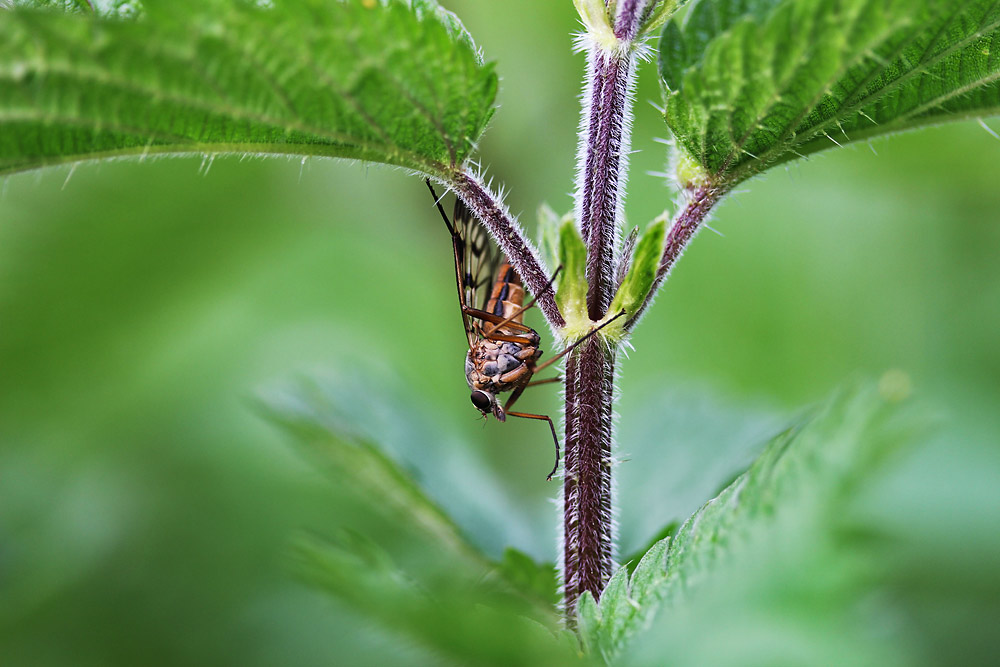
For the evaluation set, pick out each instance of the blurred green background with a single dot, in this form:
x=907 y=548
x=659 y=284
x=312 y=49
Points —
x=146 y=506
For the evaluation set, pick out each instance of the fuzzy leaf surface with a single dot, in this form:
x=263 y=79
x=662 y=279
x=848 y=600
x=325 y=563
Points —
x=802 y=479
x=625 y=604
x=395 y=82
x=753 y=83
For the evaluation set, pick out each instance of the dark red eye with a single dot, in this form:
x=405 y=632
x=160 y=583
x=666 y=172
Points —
x=482 y=401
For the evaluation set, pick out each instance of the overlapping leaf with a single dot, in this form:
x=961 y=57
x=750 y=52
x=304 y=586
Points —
x=806 y=474
x=751 y=83
x=451 y=609
x=626 y=604
x=394 y=81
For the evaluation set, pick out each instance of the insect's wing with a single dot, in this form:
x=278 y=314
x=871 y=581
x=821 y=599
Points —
x=476 y=260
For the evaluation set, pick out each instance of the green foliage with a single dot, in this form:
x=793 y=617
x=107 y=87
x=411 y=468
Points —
x=540 y=580
x=752 y=83
x=393 y=82
x=572 y=290
x=452 y=607
x=783 y=554
x=149 y=486
x=801 y=484
x=626 y=603
x=456 y=620
x=157 y=484
x=807 y=472
x=645 y=262
x=309 y=412
x=365 y=468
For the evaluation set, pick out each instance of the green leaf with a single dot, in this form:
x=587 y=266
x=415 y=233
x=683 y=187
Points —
x=614 y=607
x=645 y=262
x=548 y=235
x=571 y=294
x=394 y=82
x=648 y=575
x=538 y=579
x=809 y=470
x=626 y=604
x=331 y=420
x=803 y=478
x=457 y=619
x=588 y=620
x=634 y=559
x=753 y=83
x=360 y=465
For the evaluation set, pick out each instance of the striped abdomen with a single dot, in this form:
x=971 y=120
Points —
x=507 y=295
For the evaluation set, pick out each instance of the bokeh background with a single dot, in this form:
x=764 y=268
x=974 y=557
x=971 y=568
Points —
x=146 y=505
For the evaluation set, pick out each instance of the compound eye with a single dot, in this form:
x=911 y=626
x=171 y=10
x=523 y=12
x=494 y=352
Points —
x=481 y=400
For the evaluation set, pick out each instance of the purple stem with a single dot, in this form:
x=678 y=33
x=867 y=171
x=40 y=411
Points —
x=510 y=237
x=682 y=230
x=630 y=13
x=588 y=534
x=588 y=550
x=603 y=173
x=609 y=83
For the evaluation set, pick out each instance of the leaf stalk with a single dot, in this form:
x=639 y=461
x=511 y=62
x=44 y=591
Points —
x=491 y=211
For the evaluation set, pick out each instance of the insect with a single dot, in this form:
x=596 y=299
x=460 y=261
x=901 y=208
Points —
x=503 y=351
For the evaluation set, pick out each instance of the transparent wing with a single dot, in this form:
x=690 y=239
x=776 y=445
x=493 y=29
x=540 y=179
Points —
x=476 y=262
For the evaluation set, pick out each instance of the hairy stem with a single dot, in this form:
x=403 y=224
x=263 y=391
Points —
x=604 y=172
x=588 y=549
x=511 y=239
x=588 y=535
x=682 y=230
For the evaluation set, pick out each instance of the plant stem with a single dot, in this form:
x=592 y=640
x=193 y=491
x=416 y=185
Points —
x=588 y=517
x=682 y=230
x=604 y=168
x=511 y=239
x=588 y=547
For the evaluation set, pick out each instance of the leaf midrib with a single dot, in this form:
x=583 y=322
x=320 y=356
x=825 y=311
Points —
x=100 y=78
x=821 y=129
x=783 y=143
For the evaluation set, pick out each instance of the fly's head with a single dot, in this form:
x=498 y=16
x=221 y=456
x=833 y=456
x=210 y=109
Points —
x=486 y=403
x=483 y=391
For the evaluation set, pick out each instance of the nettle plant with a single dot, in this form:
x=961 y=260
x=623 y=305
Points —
x=747 y=85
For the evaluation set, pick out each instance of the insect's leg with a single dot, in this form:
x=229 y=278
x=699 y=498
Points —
x=529 y=337
x=571 y=347
x=517 y=311
x=494 y=319
x=457 y=245
x=552 y=427
x=516 y=394
x=527 y=415
x=520 y=340
x=558 y=378
x=437 y=202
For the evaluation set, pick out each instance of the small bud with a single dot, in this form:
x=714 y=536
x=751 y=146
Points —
x=689 y=173
x=598 y=23
x=659 y=15
x=571 y=296
x=645 y=263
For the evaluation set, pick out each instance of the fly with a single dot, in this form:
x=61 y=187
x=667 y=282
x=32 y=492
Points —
x=503 y=351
